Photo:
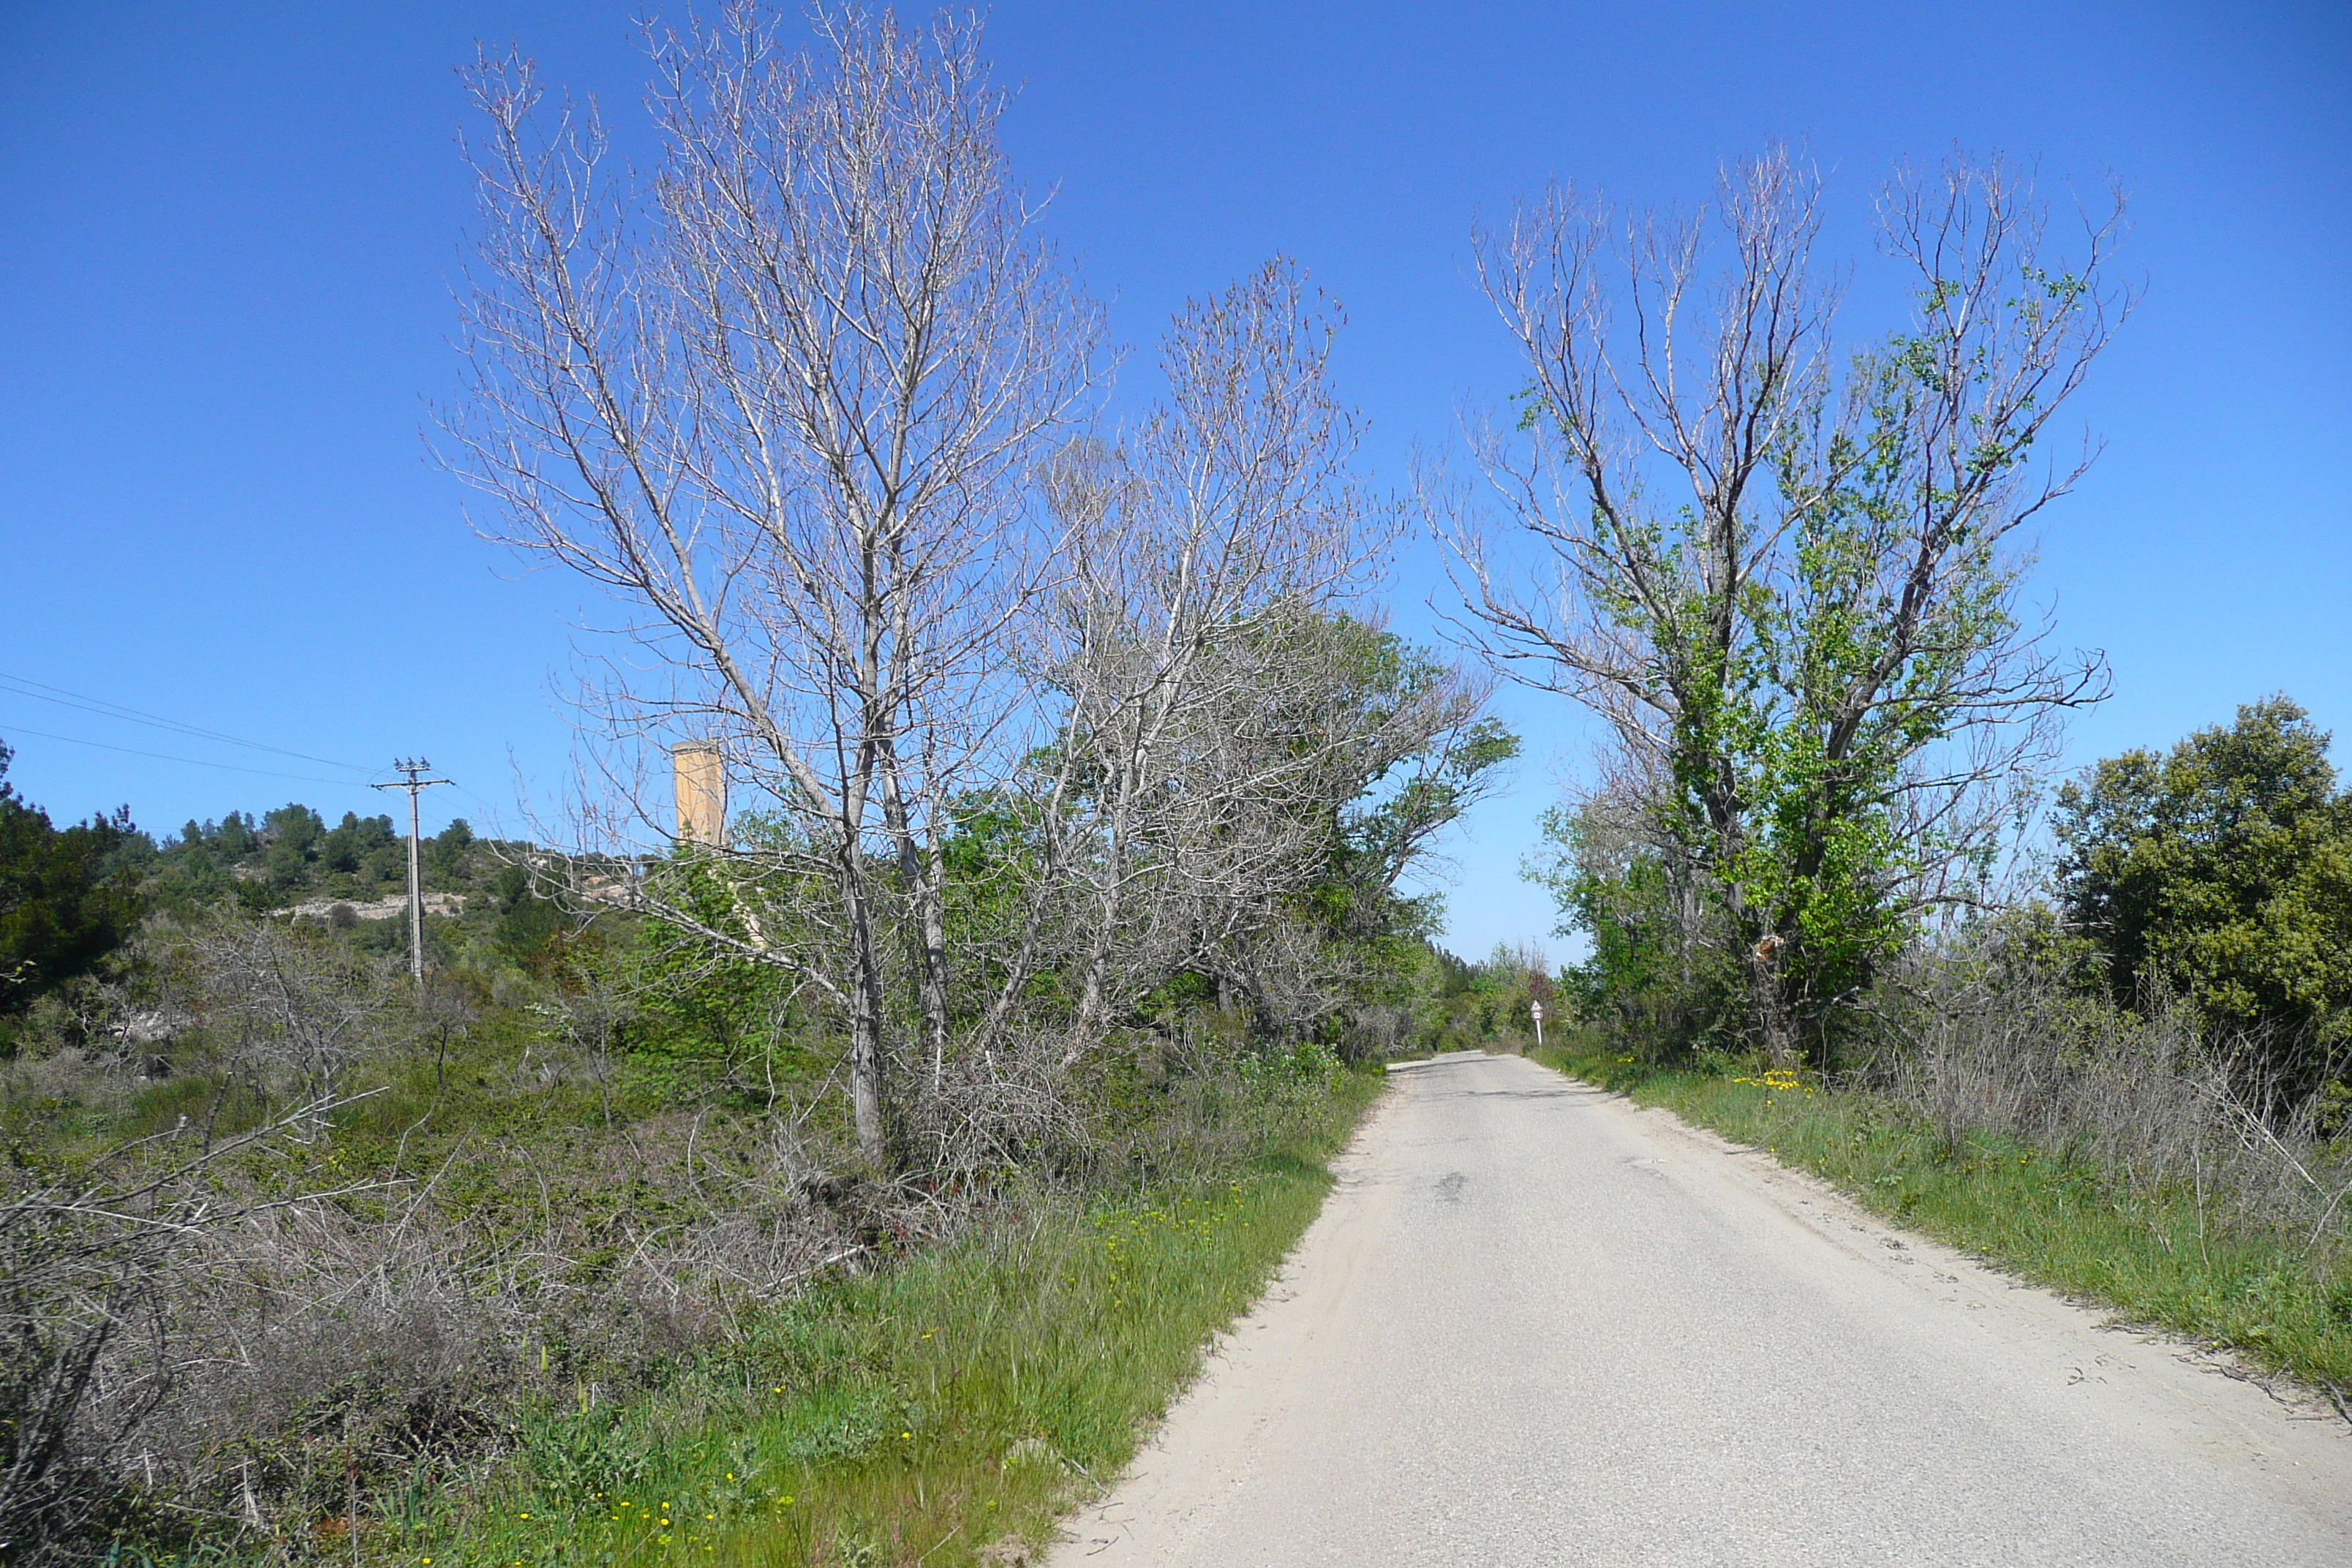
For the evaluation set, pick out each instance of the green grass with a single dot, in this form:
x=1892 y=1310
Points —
x=946 y=1401
x=2152 y=1254
x=917 y=1416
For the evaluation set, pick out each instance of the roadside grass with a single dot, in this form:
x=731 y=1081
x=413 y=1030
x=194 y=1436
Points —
x=2156 y=1255
x=956 y=1403
x=949 y=1401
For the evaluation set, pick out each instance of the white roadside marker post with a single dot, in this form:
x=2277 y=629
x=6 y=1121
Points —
x=1537 y=1008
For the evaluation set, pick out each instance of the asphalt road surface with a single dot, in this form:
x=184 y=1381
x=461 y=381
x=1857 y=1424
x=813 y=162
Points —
x=1535 y=1325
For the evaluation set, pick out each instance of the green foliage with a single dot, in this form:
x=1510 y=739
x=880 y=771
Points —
x=525 y=925
x=200 y=869
x=939 y=1409
x=710 y=1020
x=444 y=855
x=1660 y=978
x=365 y=846
x=62 y=908
x=291 y=857
x=1408 y=761
x=290 y=836
x=2221 y=871
x=1400 y=796
x=1459 y=1004
x=1339 y=753
x=1826 y=706
x=1790 y=749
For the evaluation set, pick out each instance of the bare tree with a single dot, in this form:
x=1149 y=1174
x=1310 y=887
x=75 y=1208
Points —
x=1227 y=516
x=785 y=402
x=291 y=1010
x=1321 y=779
x=92 y=1261
x=1789 y=583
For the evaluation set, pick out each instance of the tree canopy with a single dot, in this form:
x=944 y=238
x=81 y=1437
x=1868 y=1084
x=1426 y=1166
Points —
x=1786 y=576
x=2221 y=871
x=61 y=914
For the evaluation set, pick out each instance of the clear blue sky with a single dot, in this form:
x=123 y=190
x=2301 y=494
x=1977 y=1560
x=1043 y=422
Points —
x=228 y=233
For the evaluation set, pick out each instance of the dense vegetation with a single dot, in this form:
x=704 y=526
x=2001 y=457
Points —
x=2215 y=880
x=73 y=900
x=2221 y=873
x=61 y=911
x=582 y=1188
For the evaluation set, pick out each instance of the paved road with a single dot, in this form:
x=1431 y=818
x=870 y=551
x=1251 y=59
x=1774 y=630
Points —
x=1535 y=1325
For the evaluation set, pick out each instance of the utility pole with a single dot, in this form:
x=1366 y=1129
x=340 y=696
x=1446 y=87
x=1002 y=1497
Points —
x=414 y=786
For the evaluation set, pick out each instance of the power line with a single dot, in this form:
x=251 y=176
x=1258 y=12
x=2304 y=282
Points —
x=42 y=692
x=166 y=757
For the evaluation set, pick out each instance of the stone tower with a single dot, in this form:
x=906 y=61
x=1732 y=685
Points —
x=701 y=774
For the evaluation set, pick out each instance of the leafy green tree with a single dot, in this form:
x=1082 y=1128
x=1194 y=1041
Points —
x=1781 y=576
x=293 y=833
x=363 y=846
x=446 y=852
x=235 y=837
x=530 y=926
x=1294 y=808
x=1411 y=755
x=61 y=911
x=1417 y=760
x=1659 y=978
x=2221 y=870
x=208 y=866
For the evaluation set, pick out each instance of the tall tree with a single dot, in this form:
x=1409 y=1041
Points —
x=785 y=400
x=1226 y=516
x=1789 y=582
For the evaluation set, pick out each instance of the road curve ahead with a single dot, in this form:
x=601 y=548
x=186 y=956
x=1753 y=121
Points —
x=1535 y=1325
